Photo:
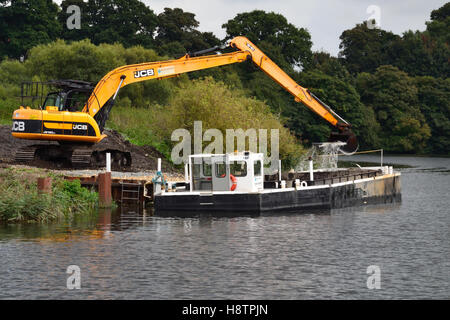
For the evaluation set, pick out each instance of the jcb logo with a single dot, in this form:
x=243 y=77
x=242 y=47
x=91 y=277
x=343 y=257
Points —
x=79 y=127
x=18 y=126
x=144 y=73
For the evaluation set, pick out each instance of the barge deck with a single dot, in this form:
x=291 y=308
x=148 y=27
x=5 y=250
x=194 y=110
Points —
x=329 y=189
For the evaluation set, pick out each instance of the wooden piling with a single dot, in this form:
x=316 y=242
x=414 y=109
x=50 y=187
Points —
x=44 y=185
x=104 y=189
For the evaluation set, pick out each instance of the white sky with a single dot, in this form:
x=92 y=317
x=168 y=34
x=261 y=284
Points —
x=324 y=19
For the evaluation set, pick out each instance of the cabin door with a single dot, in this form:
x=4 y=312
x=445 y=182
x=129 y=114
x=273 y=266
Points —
x=220 y=173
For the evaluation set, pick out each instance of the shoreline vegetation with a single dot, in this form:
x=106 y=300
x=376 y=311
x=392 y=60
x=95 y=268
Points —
x=20 y=201
x=393 y=89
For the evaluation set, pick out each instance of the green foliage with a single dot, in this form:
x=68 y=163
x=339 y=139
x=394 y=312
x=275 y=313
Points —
x=177 y=33
x=129 y=22
x=434 y=100
x=138 y=126
x=332 y=66
x=294 y=43
x=21 y=202
x=441 y=14
x=83 y=60
x=417 y=53
x=13 y=73
x=388 y=108
x=218 y=107
x=26 y=23
x=211 y=102
x=393 y=96
x=365 y=49
x=346 y=102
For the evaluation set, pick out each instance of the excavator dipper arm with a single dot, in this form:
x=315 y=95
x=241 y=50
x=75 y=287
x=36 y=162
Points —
x=300 y=94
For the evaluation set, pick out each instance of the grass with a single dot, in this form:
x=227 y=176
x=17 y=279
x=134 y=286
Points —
x=20 y=200
x=136 y=125
x=5 y=121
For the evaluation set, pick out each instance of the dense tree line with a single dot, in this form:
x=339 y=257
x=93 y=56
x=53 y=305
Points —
x=394 y=89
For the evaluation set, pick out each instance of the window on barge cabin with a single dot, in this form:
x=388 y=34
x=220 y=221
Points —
x=196 y=170
x=238 y=168
x=207 y=169
x=205 y=166
x=221 y=170
x=257 y=168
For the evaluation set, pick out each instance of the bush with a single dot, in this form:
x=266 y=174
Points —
x=211 y=102
x=21 y=202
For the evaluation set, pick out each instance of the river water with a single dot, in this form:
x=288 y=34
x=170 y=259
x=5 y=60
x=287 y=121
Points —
x=133 y=255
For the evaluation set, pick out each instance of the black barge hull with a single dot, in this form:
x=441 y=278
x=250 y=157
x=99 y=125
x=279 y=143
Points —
x=377 y=190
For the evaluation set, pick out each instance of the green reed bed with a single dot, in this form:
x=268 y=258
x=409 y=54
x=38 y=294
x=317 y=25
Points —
x=20 y=200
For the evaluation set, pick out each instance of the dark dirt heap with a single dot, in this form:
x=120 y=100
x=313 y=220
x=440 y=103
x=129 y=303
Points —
x=143 y=157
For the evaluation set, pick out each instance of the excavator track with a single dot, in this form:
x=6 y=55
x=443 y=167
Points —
x=25 y=154
x=76 y=156
x=81 y=157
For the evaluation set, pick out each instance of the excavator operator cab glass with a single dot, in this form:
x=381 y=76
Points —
x=53 y=99
x=76 y=100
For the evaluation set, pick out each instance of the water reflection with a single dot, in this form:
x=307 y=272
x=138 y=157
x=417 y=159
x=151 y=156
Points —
x=97 y=226
x=106 y=222
x=129 y=253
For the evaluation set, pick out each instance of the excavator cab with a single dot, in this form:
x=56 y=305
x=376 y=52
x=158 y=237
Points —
x=55 y=93
x=52 y=111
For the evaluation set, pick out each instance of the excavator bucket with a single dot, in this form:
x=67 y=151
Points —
x=345 y=135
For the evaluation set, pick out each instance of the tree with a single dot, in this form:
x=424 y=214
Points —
x=364 y=49
x=442 y=13
x=218 y=107
x=274 y=29
x=177 y=33
x=344 y=99
x=330 y=65
x=82 y=60
x=393 y=96
x=25 y=24
x=438 y=38
x=434 y=99
x=129 y=22
x=415 y=52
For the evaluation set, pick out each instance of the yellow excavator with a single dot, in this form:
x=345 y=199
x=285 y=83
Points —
x=76 y=113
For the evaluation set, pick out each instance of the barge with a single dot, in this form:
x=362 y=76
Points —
x=235 y=184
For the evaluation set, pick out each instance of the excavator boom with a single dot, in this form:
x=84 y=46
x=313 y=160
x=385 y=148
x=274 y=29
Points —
x=113 y=81
x=109 y=84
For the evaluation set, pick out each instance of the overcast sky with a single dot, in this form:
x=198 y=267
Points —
x=324 y=19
